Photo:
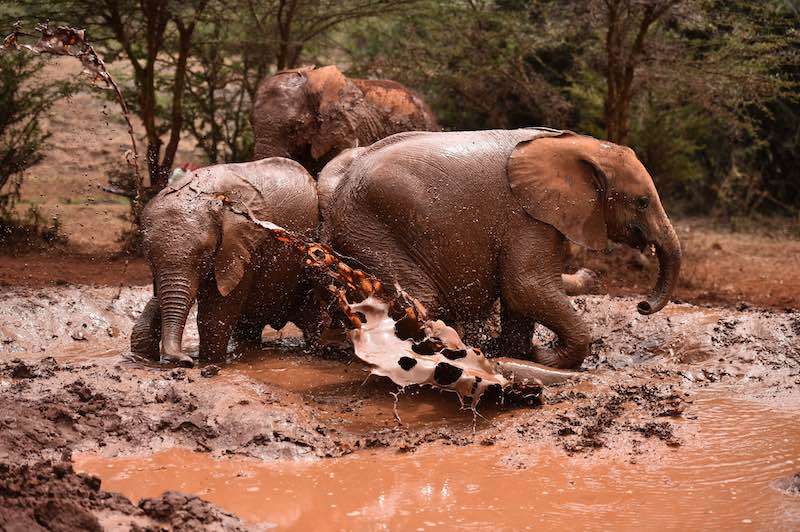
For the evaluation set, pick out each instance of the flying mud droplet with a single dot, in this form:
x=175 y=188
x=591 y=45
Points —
x=446 y=374
x=406 y=363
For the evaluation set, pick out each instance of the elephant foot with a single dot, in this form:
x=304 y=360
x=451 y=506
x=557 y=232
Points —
x=584 y=281
x=559 y=358
x=589 y=279
x=181 y=360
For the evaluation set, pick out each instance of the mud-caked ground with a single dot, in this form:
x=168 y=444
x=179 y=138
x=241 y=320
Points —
x=68 y=385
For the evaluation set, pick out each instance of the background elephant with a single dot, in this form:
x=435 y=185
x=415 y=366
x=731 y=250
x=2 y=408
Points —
x=311 y=114
x=460 y=219
x=241 y=278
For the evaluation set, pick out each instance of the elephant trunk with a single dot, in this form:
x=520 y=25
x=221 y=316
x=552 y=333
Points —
x=176 y=293
x=668 y=251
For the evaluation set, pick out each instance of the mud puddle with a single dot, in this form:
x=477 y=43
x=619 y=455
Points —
x=724 y=477
x=361 y=401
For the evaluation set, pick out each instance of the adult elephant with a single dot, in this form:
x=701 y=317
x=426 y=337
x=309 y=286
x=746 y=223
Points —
x=460 y=219
x=200 y=249
x=312 y=114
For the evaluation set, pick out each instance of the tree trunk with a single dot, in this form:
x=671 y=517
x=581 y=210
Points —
x=622 y=62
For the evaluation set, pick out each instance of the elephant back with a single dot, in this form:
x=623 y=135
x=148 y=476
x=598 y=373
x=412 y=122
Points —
x=405 y=109
x=275 y=189
x=460 y=150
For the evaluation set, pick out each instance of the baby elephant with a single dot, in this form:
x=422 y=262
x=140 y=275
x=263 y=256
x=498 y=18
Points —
x=242 y=279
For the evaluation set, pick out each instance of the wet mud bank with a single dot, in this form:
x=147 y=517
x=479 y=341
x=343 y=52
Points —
x=52 y=496
x=665 y=403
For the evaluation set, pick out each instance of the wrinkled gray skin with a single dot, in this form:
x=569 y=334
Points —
x=242 y=279
x=461 y=219
x=312 y=114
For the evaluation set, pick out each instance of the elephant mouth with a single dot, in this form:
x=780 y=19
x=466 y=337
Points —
x=637 y=237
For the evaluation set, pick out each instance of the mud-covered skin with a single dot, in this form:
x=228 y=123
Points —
x=312 y=114
x=241 y=278
x=461 y=219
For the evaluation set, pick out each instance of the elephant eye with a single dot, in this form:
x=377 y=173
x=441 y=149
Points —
x=642 y=202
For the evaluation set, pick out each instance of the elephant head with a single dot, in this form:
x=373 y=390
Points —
x=592 y=192
x=306 y=112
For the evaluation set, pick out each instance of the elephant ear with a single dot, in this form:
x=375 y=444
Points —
x=336 y=97
x=557 y=182
x=239 y=241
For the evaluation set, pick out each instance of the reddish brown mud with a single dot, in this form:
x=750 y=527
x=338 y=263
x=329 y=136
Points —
x=39 y=271
x=682 y=406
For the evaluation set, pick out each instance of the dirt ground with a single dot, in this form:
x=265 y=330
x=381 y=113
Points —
x=720 y=267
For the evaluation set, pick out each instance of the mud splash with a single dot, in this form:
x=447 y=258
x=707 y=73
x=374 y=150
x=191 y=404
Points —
x=724 y=477
x=390 y=329
x=434 y=355
x=360 y=402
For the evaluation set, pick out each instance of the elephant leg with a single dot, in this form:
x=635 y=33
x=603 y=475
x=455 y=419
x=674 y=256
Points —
x=248 y=330
x=516 y=334
x=532 y=290
x=216 y=318
x=584 y=281
x=312 y=320
x=146 y=332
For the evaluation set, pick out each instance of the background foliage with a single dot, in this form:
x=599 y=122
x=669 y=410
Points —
x=22 y=103
x=705 y=91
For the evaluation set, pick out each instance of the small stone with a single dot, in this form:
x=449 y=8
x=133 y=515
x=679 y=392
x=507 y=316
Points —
x=209 y=371
x=78 y=336
x=22 y=371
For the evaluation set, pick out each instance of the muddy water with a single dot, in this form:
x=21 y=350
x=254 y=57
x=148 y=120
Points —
x=336 y=383
x=722 y=477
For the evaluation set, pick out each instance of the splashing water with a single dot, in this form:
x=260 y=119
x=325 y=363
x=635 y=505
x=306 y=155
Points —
x=438 y=358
